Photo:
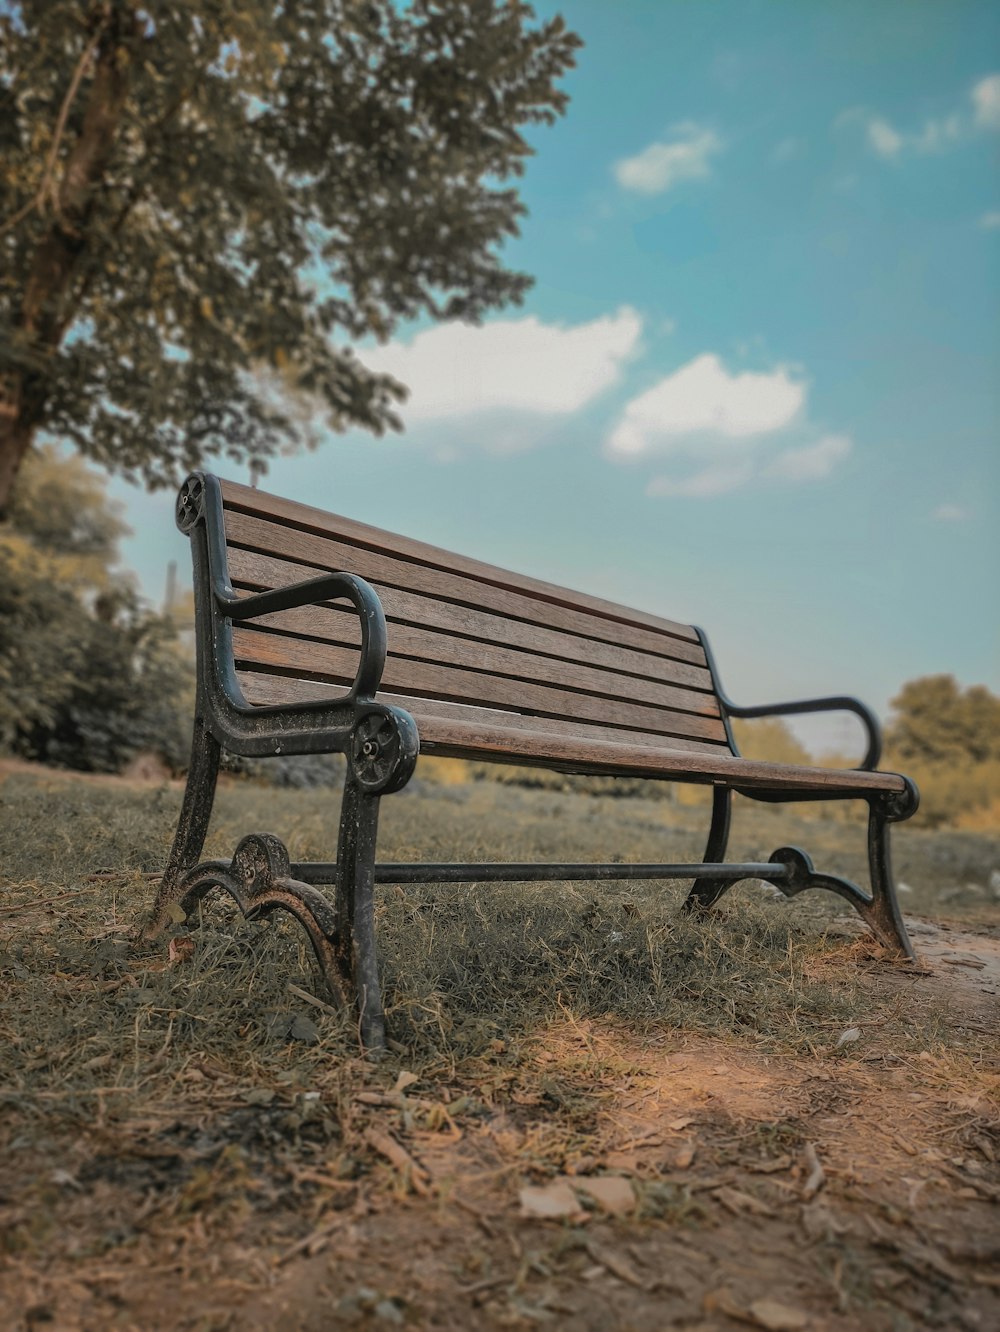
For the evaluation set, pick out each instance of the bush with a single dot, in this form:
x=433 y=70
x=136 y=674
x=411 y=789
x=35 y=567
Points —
x=89 y=677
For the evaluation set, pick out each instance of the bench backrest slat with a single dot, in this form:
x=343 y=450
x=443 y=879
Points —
x=245 y=499
x=435 y=716
x=252 y=572
x=462 y=636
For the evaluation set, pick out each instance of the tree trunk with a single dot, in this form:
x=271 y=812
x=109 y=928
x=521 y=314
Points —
x=15 y=440
x=51 y=293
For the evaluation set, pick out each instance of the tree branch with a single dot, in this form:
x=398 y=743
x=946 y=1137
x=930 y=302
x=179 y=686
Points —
x=45 y=188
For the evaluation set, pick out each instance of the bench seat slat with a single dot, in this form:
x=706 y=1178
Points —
x=326 y=554
x=246 y=499
x=322 y=661
x=449 y=729
x=457 y=737
x=253 y=572
x=259 y=688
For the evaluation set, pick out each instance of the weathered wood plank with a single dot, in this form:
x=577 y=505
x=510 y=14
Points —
x=259 y=688
x=252 y=501
x=315 y=660
x=340 y=629
x=253 y=572
x=501 y=745
x=324 y=553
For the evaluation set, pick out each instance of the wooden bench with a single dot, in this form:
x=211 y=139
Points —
x=319 y=634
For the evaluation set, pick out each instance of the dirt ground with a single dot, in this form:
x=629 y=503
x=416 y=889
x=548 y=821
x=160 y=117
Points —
x=575 y=1169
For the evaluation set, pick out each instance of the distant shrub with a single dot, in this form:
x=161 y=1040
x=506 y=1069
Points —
x=300 y=772
x=89 y=677
x=958 y=795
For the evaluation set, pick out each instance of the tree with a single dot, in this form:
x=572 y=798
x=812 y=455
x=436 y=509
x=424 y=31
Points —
x=192 y=191
x=936 y=721
x=88 y=677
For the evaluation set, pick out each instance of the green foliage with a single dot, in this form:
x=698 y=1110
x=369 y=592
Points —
x=936 y=721
x=948 y=739
x=88 y=677
x=191 y=192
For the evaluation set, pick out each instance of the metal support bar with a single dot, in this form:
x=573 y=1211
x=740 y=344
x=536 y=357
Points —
x=514 y=872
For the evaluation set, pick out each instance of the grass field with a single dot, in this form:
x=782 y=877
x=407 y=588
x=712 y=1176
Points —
x=797 y=1132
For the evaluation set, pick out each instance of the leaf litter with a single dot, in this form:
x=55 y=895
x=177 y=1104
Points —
x=185 y=1152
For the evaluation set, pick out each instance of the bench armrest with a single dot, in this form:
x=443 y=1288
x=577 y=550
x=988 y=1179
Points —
x=836 y=703
x=326 y=587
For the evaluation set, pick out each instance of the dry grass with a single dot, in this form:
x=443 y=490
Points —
x=158 y=1103
x=463 y=965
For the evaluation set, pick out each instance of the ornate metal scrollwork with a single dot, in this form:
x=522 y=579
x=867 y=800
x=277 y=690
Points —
x=802 y=875
x=190 y=502
x=383 y=751
x=901 y=805
x=259 y=880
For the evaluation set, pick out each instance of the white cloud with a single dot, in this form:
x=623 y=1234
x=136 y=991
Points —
x=989 y=221
x=883 y=138
x=937 y=135
x=986 y=102
x=523 y=365
x=719 y=431
x=685 y=156
x=811 y=462
x=703 y=397
x=716 y=479
x=950 y=513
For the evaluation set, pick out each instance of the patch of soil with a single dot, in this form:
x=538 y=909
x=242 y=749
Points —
x=855 y=1189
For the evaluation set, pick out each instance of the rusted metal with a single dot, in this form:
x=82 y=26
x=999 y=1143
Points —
x=259 y=881
x=879 y=908
x=381 y=743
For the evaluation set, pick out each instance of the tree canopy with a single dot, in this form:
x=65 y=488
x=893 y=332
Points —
x=935 y=720
x=191 y=191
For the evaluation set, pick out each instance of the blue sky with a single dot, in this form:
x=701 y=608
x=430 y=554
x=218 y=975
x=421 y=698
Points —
x=755 y=386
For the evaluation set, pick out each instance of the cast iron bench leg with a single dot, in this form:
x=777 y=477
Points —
x=879 y=908
x=356 y=908
x=706 y=891
x=196 y=811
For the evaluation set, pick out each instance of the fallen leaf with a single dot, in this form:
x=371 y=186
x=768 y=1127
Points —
x=628 y=1162
x=304 y=1029
x=721 y=1301
x=405 y=1080
x=771 y=1167
x=778 y=1317
x=615 y=1264
x=684 y=1156
x=98 y=1061
x=819 y=1223
x=65 y=1180
x=550 y=1201
x=848 y=1037
x=679 y=1124
x=180 y=949
x=737 y=1203
x=258 y=1096
x=816 y=1177
x=611 y=1192
x=395 y=1152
